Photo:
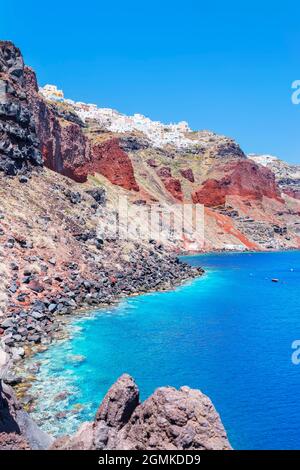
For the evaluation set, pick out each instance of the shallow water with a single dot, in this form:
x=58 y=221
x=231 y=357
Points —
x=228 y=334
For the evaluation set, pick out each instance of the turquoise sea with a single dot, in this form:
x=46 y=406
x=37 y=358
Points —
x=228 y=333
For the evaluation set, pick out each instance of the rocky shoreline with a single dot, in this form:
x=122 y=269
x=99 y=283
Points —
x=21 y=379
x=23 y=332
x=14 y=375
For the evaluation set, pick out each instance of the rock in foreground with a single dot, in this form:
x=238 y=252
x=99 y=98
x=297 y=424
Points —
x=17 y=430
x=170 y=419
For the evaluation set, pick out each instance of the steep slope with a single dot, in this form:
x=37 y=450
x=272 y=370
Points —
x=56 y=258
x=241 y=178
x=62 y=143
x=154 y=163
x=170 y=164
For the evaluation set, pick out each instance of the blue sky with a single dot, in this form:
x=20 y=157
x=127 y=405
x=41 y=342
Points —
x=225 y=66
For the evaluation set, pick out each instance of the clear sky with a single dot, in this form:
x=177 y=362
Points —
x=226 y=66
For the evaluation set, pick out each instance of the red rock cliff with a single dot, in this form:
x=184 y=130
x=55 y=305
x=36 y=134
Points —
x=64 y=147
x=108 y=159
x=242 y=178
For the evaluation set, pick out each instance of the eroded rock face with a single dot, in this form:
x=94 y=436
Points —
x=292 y=192
x=243 y=178
x=173 y=185
x=188 y=174
x=226 y=148
x=119 y=403
x=170 y=419
x=19 y=145
x=287 y=175
x=66 y=148
x=63 y=145
x=111 y=161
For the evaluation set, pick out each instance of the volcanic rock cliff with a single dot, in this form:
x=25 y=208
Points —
x=62 y=143
x=67 y=149
x=57 y=252
x=58 y=249
x=242 y=178
x=19 y=145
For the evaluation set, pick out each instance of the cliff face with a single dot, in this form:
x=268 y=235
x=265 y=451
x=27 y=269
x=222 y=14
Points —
x=57 y=253
x=198 y=167
x=63 y=145
x=19 y=144
x=170 y=419
x=110 y=160
x=66 y=148
x=243 y=178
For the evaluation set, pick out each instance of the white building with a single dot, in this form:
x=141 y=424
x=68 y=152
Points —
x=158 y=133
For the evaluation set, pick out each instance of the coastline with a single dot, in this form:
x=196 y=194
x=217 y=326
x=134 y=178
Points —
x=25 y=368
x=58 y=351
x=65 y=319
x=20 y=380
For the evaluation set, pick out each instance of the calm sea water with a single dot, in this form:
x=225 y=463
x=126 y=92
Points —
x=228 y=334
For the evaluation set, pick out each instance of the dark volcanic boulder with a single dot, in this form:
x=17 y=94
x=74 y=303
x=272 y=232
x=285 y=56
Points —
x=99 y=194
x=188 y=174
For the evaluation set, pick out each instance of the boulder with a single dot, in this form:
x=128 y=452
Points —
x=119 y=403
x=170 y=419
x=174 y=420
x=17 y=429
x=188 y=174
